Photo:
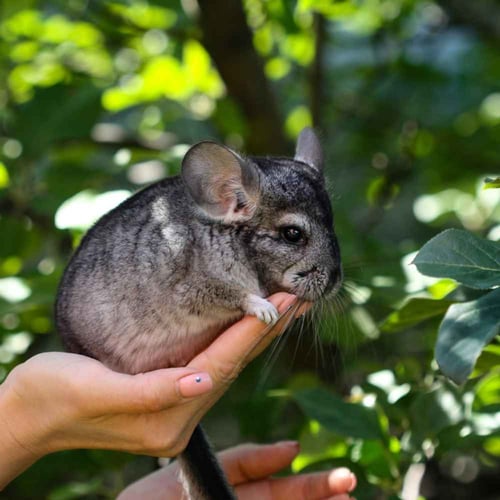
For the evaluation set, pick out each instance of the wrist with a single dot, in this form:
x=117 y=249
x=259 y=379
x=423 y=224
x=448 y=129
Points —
x=21 y=444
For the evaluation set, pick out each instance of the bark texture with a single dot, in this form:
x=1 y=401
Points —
x=228 y=39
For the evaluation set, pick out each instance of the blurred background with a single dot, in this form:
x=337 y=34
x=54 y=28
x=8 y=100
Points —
x=100 y=98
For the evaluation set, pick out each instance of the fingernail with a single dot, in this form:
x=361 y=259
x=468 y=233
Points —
x=344 y=474
x=291 y=444
x=354 y=482
x=195 y=384
x=288 y=302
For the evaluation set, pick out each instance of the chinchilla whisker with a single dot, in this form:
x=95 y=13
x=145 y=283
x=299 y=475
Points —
x=318 y=319
x=287 y=317
x=290 y=312
x=298 y=340
x=271 y=357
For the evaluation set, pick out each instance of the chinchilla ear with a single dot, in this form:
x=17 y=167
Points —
x=309 y=149
x=222 y=183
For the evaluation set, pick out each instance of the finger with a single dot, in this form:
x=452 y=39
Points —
x=250 y=462
x=232 y=350
x=315 y=486
x=342 y=480
x=304 y=308
x=344 y=496
x=148 y=392
x=159 y=485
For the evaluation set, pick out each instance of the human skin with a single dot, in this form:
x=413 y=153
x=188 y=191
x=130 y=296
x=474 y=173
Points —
x=58 y=401
x=248 y=468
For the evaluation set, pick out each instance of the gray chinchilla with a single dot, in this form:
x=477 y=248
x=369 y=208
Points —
x=160 y=276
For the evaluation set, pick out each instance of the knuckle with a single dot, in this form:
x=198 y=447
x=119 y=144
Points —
x=152 y=400
x=226 y=372
x=153 y=396
x=222 y=371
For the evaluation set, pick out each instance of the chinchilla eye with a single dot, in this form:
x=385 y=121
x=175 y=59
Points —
x=292 y=234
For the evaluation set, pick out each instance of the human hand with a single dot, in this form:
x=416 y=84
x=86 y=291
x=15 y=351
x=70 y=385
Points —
x=58 y=401
x=248 y=468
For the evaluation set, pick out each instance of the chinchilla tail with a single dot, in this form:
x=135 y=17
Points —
x=201 y=475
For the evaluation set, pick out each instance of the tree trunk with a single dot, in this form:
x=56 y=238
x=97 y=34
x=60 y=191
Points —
x=228 y=39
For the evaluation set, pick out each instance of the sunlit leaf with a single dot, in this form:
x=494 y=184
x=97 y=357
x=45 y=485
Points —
x=24 y=23
x=434 y=410
x=374 y=458
x=486 y=422
x=490 y=183
x=144 y=15
x=298 y=118
x=413 y=312
x=24 y=51
x=492 y=446
x=299 y=47
x=442 y=288
x=83 y=209
x=197 y=61
x=4 y=176
x=263 y=39
x=277 y=68
x=14 y=289
x=199 y=71
x=381 y=192
x=488 y=360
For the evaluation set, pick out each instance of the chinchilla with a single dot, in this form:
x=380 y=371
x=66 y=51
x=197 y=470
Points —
x=160 y=276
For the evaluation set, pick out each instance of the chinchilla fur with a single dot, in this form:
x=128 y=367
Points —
x=160 y=276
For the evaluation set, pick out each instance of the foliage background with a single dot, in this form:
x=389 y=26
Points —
x=98 y=99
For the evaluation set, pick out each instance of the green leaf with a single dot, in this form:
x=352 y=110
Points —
x=465 y=330
x=490 y=183
x=333 y=413
x=414 y=311
x=374 y=458
x=50 y=116
x=76 y=490
x=460 y=255
x=435 y=410
x=492 y=446
x=488 y=361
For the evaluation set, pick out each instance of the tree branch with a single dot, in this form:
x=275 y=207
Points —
x=228 y=40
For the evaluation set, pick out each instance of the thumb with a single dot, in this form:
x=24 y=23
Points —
x=152 y=391
x=250 y=462
x=240 y=343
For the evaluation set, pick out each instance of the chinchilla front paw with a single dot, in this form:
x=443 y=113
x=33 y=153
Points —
x=262 y=308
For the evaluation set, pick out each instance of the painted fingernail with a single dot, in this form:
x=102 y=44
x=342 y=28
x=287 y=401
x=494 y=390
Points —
x=195 y=384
